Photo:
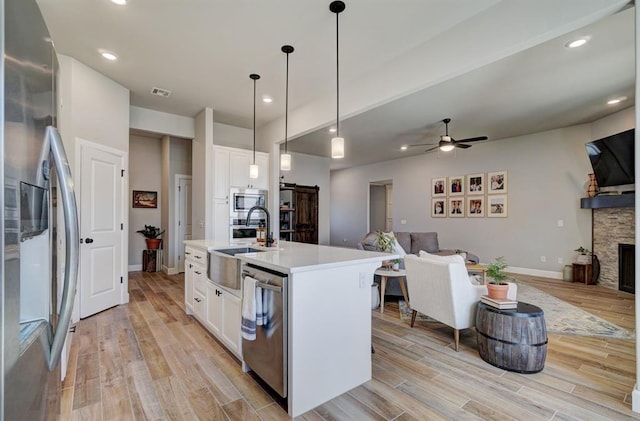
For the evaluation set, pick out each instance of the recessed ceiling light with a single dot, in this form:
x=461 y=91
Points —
x=332 y=130
x=404 y=147
x=616 y=100
x=119 y=2
x=577 y=42
x=267 y=99
x=108 y=55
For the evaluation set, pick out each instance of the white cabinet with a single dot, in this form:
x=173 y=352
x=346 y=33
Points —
x=221 y=230
x=239 y=161
x=195 y=278
x=221 y=173
x=223 y=316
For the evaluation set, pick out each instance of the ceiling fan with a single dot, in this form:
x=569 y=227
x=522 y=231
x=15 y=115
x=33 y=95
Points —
x=447 y=143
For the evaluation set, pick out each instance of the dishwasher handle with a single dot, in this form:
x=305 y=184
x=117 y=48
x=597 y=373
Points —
x=269 y=287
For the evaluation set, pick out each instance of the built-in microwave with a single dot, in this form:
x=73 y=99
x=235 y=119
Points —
x=241 y=200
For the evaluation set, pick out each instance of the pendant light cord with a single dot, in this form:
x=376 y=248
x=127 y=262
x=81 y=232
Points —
x=254 y=121
x=337 y=77
x=286 y=107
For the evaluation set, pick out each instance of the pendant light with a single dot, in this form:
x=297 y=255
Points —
x=253 y=168
x=285 y=158
x=337 y=143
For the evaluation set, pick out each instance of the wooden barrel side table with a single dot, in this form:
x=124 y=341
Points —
x=514 y=340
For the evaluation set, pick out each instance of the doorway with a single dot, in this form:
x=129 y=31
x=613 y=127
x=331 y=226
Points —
x=380 y=206
x=183 y=221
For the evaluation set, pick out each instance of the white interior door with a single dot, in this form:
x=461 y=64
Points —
x=101 y=228
x=184 y=217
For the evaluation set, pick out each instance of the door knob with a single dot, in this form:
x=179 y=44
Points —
x=88 y=240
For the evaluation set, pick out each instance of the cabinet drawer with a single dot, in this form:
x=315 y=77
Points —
x=200 y=279
x=196 y=255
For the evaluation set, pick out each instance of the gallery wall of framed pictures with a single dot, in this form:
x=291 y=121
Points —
x=473 y=195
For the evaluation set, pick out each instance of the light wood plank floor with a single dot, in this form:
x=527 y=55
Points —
x=148 y=360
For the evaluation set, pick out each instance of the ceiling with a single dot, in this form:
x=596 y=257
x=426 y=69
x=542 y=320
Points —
x=204 y=50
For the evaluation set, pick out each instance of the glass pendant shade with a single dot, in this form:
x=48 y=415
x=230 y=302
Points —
x=253 y=171
x=285 y=162
x=337 y=147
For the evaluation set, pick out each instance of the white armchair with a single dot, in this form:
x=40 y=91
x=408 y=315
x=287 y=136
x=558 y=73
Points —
x=439 y=287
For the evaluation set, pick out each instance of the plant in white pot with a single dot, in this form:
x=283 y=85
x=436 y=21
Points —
x=584 y=255
x=497 y=288
x=151 y=235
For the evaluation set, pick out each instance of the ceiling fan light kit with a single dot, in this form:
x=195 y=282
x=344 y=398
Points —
x=337 y=143
x=447 y=143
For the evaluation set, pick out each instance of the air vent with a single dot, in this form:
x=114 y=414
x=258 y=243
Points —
x=160 y=92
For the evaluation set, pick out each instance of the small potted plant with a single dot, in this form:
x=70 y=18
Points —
x=584 y=255
x=498 y=287
x=151 y=234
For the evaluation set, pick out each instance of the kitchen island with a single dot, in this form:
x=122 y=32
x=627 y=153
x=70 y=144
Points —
x=328 y=318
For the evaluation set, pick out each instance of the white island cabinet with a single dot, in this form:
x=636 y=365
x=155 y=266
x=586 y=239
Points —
x=329 y=318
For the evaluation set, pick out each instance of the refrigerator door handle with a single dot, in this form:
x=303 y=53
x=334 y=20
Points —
x=72 y=240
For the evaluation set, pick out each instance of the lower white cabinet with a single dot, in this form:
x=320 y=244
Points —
x=223 y=316
x=195 y=275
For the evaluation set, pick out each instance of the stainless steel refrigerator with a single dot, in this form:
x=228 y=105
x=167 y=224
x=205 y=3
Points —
x=35 y=308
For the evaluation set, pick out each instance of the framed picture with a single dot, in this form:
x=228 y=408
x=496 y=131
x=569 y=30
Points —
x=456 y=207
x=475 y=207
x=438 y=208
x=497 y=206
x=438 y=186
x=497 y=182
x=145 y=199
x=475 y=184
x=456 y=185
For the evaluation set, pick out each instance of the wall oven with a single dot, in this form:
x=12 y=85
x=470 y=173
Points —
x=240 y=232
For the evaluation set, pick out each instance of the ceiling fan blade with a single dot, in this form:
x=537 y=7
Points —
x=429 y=150
x=421 y=144
x=461 y=145
x=473 y=139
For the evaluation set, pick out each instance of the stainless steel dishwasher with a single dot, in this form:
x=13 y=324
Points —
x=267 y=354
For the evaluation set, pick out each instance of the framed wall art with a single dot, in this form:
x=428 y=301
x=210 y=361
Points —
x=456 y=185
x=475 y=184
x=438 y=187
x=497 y=206
x=456 y=207
x=475 y=207
x=145 y=199
x=497 y=182
x=438 y=208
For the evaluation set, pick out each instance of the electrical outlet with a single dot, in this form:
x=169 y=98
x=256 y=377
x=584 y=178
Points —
x=403 y=222
x=363 y=280
x=560 y=260
x=560 y=223
x=344 y=240
x=543 y=258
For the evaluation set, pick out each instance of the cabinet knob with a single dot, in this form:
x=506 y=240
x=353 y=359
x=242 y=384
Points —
x=198 y=273
x=197 y=299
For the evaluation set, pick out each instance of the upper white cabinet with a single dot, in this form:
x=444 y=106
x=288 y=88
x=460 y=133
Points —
x=231 y=169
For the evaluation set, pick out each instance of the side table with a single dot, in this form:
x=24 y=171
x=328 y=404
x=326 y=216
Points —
x=583 y=272
x=389 y=273
x=514 y=340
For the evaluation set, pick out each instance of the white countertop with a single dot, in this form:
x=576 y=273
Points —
x=294 y=257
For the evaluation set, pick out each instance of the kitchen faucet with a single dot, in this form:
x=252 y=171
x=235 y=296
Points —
x=266 y=212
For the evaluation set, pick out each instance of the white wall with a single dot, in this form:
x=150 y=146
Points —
x=179 y=162
x=232 y=136
x=163 y=123
x=308 y=170
x=201 y=152
x=145 y=174
x=547 y=176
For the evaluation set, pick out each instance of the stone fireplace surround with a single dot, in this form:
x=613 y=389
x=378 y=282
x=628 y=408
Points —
x=611 y=226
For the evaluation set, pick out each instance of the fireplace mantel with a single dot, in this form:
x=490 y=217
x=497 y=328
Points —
x=627 y=200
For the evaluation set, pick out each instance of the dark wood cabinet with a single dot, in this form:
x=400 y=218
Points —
x=299 y=213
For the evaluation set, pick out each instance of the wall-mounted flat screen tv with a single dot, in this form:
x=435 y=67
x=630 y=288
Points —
x=612 y=159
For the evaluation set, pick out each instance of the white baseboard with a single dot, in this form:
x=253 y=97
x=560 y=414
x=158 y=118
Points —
x=170 y=271
x=535 y=272
x=135 y=268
